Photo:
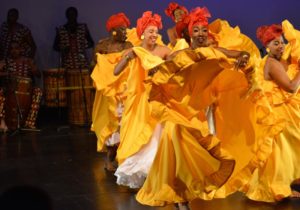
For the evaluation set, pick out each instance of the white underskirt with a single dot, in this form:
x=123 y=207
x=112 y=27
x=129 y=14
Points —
x=134 y=170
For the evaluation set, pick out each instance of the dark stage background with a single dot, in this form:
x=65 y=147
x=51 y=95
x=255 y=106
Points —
x=42 y=16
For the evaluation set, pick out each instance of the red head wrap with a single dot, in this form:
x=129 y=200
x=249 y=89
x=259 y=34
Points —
x=117 y=20
x=147 y=20
x=171 y=9
x=198 y=16
x=265 y=34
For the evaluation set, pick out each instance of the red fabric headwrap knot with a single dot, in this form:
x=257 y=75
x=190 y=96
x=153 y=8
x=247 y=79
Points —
x=171 y=9
x=117 y=20
x=265 y=34
x=181 y=25
x=198 y=16
x=147 y=20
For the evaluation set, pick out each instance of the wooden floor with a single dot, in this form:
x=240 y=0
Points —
x=67 y=167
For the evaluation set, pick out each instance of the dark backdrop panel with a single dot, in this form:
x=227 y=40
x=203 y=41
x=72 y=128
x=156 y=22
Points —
x=43 y=16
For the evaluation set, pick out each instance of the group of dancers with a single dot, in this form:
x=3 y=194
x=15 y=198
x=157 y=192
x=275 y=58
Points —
x=204 y=116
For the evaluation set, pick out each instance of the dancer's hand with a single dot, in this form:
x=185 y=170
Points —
x=130 y=54
x=242 y=60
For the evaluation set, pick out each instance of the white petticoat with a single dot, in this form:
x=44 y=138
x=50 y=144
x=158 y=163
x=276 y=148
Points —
x=210 y=119
x=115 y=137
x=134 y=170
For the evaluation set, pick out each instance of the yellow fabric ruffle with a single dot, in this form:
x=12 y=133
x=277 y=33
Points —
x=190 y=163
x=293 y=37
x=232 y=38
x=110 y=90
x=243 y=123
x=187 y=166
x=137 y=124
x=248 y=125
x=268 y=175
x=103 y=76
x=180 y=87
x=180 y=45
x=278 y=163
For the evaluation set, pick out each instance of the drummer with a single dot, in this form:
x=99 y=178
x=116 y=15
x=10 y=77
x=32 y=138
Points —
x=72 y=40
x=18 y=66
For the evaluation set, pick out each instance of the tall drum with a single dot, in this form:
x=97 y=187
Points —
x=54 y=84
x=18 y=101
x=80 y=96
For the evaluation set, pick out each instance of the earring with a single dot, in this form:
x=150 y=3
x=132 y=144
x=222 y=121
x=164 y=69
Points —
x=267 y=50
x=114 y=33
x=142 y=37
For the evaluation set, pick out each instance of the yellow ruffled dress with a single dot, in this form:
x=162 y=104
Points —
x=137 y=123
x=190 y=162
x=271 y=181
x=232 y=38
x=182 y=89
x=110 y=90
x=273 y=135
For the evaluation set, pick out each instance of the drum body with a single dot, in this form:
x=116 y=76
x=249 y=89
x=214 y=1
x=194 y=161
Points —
x=18 y=101
x=54 y=82
x=80 y=97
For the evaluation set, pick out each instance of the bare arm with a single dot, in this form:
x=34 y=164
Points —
x=172 y=36
x=242 y=57
x=278 y=74
x=127 y=56
x=231 y=53
x=167 y=52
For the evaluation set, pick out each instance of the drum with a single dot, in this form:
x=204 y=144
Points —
x=80 y=97
x=54 y=82
x=18 y=94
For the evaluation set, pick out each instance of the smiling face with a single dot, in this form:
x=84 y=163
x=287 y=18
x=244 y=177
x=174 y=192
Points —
x=199 y=35
x=178 y=14
x=150 y=35
x=276 y=47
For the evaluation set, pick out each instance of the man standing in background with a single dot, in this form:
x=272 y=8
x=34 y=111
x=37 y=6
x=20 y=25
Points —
x=12 y=31
x=72 y=39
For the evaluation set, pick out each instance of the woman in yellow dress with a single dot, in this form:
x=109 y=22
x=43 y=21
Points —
x=268 y=165
x=190 y=162
x=140 y=131
x=176 y=12
x=107 y=109
x=280 y=79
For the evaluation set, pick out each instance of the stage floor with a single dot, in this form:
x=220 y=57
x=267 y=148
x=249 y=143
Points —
x=66 y=165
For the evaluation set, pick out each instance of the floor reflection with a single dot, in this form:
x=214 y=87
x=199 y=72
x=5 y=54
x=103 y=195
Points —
x=67 y=166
